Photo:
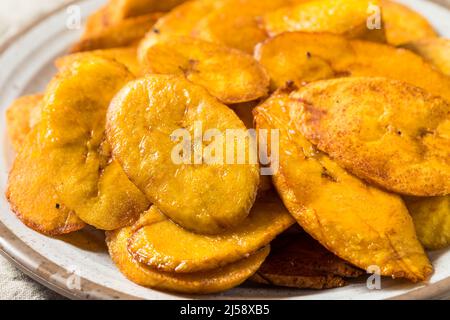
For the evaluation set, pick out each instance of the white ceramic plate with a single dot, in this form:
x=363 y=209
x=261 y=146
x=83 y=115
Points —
x=80 y=268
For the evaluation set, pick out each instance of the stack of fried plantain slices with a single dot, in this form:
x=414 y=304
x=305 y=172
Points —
x=125 y=139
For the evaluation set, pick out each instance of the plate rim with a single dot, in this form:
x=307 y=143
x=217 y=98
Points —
x=22 y=255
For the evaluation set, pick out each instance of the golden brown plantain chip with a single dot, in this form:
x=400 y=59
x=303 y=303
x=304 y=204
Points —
x=432 y=220
x=163 y=245
x=32 y=198
x=178 y=22
x=217 y=21
x=217 y=280
x=18 y=118
x=434 y=50
x=68 y=153
x=234 y=23
x=122 y=34
x=297 y=260
x=348 y=18
x=230 y=75
x=403 y=25
x=384 y=131
x=359 y=223
x=123 y=9
x=45 y=213
x=97 y=22
x=153 y=126
x=126 y=56
x=302 y=57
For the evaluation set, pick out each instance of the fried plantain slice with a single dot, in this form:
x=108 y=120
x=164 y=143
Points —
x=123 y=9
x=343 y=17
x=359 y=223
x=69 y=154
x=432 y=220
x=178 y=22
x=163 y=245
x=126 y=56
x=384 y=131
x=18 y=118
x=122 y=34
x=297 y=260
x=234 y=23
x=216 y=280
x=149 y=124
x=87 y=180
x=302 y=57
x=45 y=213
x=97 y=22
x=434 y=50
x=230 y=75
x=403 y=25
x=35 y=201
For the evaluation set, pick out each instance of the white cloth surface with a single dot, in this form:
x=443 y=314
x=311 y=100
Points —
x=15 y=285
x=14 y=15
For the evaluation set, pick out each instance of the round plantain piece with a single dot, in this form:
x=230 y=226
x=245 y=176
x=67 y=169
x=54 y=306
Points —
x=403 y=25
x=18 y=118
x=432 y=220
x=348 y=18
x=119 y=10
x=178 y=22
x=122 y=34
x=126 y=56
x=155 y=127
x=303 y=57
x=434 y=50
x=228 y=74
x=69 y=155
x=216 y=280
x=384 y=131
x=45 y=213
x=359 y=223
x=234 y=23
x=32 y=196
x=163 y=245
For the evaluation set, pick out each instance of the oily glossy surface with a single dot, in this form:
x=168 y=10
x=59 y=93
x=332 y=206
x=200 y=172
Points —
x=343 y=17
x=432 y=220
x=32 y=198
x=126 y=56
x=359 y=223
x=25 y=73
x=237 y=28
x=122 y=34
x=68 y=154
x=161 y=244
x=200 y=194
x=384 y=131
x=178 y=22
x=228 y=74
x=201 y=282
x=218 y=21
x=303 y=57
x=122 y=9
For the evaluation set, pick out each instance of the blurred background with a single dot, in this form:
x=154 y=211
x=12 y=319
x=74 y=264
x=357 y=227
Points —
x=16 y=14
